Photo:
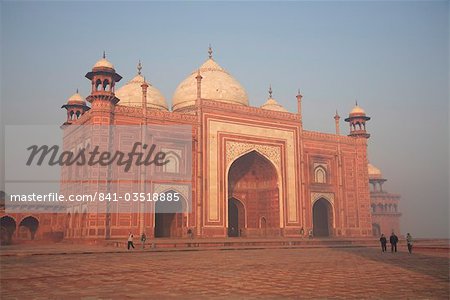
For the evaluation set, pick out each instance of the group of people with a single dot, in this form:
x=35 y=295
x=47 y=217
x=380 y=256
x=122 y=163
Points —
x=143 y=238
x=130 y=240
x=393 y=240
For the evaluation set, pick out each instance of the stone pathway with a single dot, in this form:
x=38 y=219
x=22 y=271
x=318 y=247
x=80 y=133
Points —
x=249 y=274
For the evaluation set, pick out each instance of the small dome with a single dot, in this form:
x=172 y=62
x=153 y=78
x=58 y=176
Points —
x=103 y=63
x=374 y=172
x=131 y=94
x=76 y=99
x=357 y=110
x=217 y=84
x=272 y=104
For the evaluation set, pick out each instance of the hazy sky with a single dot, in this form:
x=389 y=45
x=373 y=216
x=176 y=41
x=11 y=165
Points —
x=393 y=57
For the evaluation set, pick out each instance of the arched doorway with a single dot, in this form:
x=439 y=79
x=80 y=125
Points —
x=263 y=226
x=376 y=231
x=7 y=229
x=170 y=217
x=253 y=179
x=28 y=227
x=236 y=217
x=322 y=218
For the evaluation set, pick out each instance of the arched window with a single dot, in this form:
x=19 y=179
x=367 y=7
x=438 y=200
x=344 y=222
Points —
x=105 y=84
x=173 y=165
x=320 y=175
x=98 y=85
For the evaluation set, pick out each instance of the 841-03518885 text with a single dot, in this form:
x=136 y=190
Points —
x=139 y=197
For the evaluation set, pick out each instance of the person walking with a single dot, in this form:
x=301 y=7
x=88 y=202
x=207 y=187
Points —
x=310 y=234
x=130 y=241
x=383 y=242
x=409 y=242
x=393 y=239
x=143 y=239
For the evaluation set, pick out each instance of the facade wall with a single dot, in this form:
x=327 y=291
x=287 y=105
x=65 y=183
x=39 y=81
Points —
x=228 y=132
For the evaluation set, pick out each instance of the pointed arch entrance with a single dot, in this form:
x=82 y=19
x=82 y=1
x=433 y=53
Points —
x=253 y=179
x=7 y=229
x=28 y=227
x=170 y=219
x=322 y=218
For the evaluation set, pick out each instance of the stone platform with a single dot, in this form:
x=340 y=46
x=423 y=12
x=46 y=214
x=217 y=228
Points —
x=99 y=272
x=166 y=245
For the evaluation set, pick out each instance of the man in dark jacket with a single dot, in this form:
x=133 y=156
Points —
x=383 y=242
x=393 y=240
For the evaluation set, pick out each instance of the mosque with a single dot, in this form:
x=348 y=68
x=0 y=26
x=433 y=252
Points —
x=255 y=171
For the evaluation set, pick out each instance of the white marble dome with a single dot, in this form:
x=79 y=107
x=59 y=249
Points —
x=76 y=99
x=131 y=94
x=357 y=110
x=374 y=172
x=217 y=84
x=272 y=104
x=103 y=63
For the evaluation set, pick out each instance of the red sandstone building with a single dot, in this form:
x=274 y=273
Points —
x=255 y=171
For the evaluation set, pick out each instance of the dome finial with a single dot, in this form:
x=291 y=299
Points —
x=77 y=90
x=270 y=91
x=104 y=54
x=356 y=102
x=210 y=51
x=139 y=67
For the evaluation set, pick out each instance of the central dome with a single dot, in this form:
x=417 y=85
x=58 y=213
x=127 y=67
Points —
x=217 y=84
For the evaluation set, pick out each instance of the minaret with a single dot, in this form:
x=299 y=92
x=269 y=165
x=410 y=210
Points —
x=336 y=123
x=199 y=86
x=103 y=80
x=103 y=101
x=299 y=103
x=357 y=119
x=144 y=87
x=76 y=106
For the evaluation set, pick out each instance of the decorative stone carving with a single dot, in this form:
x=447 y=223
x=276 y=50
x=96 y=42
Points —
x=236 y=149
x=317 y=196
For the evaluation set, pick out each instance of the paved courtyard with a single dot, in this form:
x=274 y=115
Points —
x=231 y=274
